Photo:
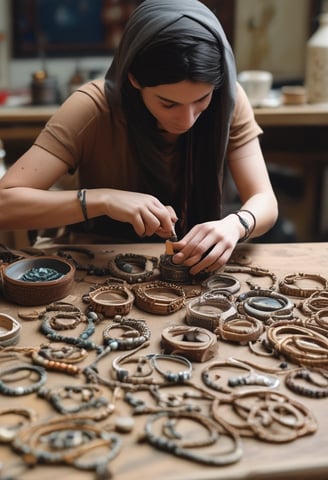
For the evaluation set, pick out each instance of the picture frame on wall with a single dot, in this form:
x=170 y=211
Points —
x=62 y=28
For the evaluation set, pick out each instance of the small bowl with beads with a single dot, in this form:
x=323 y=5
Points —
x=38 y=280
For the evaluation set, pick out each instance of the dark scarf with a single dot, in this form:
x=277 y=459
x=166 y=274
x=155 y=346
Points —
x=207 y=145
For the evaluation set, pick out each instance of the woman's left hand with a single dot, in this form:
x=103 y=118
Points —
x=208 y=246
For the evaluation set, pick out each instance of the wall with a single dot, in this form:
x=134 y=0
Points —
x=16 y=73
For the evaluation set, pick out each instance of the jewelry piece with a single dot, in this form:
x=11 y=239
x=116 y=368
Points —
x=81 y=341
x=21 y=390
x=66 y=441
x=9 y=330
x=252 y=378
x=141 y=375
x=303 y=345
x=195 y=343
x=81 y=196
x=305 y=376
x=269 y=416
x=110 y=300
x=265 y=305
x=86 y=397
x=136 y=333
x=133 y=268
x=315 y=302
x=173 y=442
x=171 y=377
x=222 y=282
x=160 y=298
x=208 y=311
x=8 y=433
x=254 y=272
x=242 y=329
x=174 y=273
x=289 y=286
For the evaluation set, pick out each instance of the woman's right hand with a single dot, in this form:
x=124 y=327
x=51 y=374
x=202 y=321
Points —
x=145 y=213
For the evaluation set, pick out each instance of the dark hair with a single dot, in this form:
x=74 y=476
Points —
x=177 y=60
x=170 y=58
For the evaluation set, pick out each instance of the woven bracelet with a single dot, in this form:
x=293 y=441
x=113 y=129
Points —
x=81 y=196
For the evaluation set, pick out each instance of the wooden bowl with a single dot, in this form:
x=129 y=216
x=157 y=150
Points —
x=25 y=292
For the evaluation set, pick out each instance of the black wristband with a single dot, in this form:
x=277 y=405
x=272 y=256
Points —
x=246 y=226
x=81 y=195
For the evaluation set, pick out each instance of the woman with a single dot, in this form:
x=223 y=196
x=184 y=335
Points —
x=149 y=145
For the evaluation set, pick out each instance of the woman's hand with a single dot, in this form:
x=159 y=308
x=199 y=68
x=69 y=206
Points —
x=146 y=213
x=208 y=246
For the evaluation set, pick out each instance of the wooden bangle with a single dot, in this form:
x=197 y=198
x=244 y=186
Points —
x=111 y=300
x=208 y=312
x=222 y=281
x=9 y=330
x=289 y=286
x=157 y=298
x=133 y=268
x=195 y=343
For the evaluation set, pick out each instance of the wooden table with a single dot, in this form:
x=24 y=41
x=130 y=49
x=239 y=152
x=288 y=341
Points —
x=301 y=459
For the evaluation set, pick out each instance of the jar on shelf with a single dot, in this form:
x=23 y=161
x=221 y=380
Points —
x=316 y=74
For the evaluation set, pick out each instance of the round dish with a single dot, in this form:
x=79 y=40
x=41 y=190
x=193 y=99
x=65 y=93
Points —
x=32 y=293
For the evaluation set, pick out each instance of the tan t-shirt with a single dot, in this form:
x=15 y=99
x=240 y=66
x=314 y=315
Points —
x=91 y=139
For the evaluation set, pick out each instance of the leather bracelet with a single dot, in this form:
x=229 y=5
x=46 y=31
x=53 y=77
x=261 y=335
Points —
x=254 y=272
x=265 y=305
x=242 y=329
x=222 y=281
x=81 y=196
x=208 y=312
x=195 y=343
x=111 y=300
x=132 y=267
x=288 y=285
x=171 y=272
x=150 y=297
x=9 y=330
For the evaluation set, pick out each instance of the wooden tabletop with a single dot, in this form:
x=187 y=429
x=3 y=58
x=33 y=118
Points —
x=300 y=459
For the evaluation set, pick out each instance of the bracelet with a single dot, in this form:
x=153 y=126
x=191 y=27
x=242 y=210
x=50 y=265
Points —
x=111 y=300
x=288 y=285
x=150 y=297
x=132 y=267
x=246 y=226
x=9 y=330
x=195 y=343
x=253 y=217
x=81 y=196
x=265 y=305
x=179 y=377
x=222 y=281
x=207 y=312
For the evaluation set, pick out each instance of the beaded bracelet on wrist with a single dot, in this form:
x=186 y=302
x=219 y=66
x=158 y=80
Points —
x=160 y=298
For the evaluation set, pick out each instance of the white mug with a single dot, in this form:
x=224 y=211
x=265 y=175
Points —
x=257 y=85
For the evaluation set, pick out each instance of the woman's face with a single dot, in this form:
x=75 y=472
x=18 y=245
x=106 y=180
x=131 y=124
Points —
x=176 y=106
